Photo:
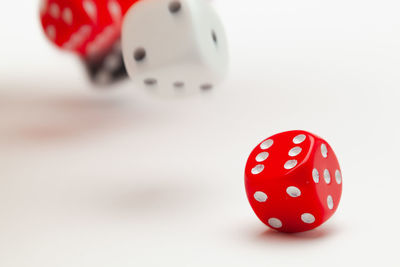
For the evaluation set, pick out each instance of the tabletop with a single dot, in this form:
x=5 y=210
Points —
x=119 y=177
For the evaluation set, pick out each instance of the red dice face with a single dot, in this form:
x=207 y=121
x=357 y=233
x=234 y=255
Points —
x=293 y=181
x=87 y=27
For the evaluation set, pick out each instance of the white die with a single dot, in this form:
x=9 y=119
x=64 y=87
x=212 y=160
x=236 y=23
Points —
x=174 y=46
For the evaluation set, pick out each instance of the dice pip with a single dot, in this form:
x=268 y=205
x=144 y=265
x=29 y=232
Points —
x=293 y=181
x=174 y=46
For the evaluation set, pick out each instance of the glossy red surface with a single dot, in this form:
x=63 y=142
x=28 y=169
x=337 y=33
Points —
x=86 y=27
x=294 y=201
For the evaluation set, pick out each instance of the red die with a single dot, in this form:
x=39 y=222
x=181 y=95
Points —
x=293 y=181
x=88 y=27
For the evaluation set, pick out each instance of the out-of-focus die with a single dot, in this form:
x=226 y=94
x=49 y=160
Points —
x=108 y=68
x=86 y=27
x=293 y=181
x=174 y=46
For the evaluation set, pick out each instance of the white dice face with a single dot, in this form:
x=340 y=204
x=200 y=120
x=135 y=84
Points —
x=174 y=46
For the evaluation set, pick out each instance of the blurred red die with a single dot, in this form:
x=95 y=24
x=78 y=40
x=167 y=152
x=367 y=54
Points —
x=87 y=27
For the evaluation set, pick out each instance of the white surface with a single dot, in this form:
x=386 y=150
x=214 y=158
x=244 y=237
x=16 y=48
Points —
x=179 y=46
x=121 y=178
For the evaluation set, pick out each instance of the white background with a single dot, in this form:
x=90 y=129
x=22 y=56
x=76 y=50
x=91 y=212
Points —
x=118 y=177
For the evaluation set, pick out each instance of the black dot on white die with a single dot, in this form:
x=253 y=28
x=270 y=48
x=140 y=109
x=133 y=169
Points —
x=206 y=86
x=139 y=54
x=214 y=37
x=179 y=84
x=174 y=7
x=150 y=81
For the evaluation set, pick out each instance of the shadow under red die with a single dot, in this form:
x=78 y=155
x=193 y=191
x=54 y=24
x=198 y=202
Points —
x=293 y=181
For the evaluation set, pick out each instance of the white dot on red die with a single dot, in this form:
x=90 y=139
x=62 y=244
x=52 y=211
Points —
x=76 y=39
x=324 y=151
x=67 y=16
x=51 y=32
x=299 y=139
x=327 y=176
x=267 y=144
x=115 y=10
x=68 y=45
x=262 y=156
x=257 y=169
x=275 y=223
x=307 y=218
x=85 y=30
x=329 y=201
x=293 y=191
x=260 y=196
x=295 y=151
x=290 y=164
x=315 y=175
x=338 y=177
x=109 y=31
x=90 y=9
x=54 y=10
x=42 y=6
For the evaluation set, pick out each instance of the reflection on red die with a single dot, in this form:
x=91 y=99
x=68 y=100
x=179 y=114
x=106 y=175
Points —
x=87 y=27
x=293 y=181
